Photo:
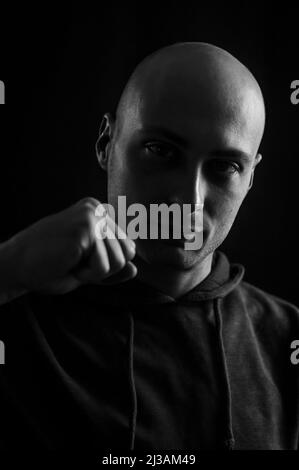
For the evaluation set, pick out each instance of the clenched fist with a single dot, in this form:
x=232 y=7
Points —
x=61 y=252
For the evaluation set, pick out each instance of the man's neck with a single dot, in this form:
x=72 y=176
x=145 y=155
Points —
x=170 y=281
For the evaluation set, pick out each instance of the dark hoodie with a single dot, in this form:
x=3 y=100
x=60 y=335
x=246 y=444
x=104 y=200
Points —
x=130 y=367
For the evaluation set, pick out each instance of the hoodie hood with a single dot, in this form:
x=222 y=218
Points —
x=223 y=278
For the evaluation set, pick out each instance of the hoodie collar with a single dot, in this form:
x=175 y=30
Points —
x=223 y=278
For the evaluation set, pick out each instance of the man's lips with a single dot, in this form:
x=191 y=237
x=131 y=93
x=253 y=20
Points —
x=174 y=242
x=187 y=233
x=180 y=242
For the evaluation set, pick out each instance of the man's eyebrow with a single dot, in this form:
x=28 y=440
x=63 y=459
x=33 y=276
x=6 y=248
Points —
x=167 y=133
x=231 y=153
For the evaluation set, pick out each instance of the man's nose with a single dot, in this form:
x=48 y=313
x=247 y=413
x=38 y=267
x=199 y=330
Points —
x=191 y=189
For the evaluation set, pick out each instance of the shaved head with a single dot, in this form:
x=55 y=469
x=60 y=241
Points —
x=207 y=76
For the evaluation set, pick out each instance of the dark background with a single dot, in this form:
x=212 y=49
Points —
x=64 y=69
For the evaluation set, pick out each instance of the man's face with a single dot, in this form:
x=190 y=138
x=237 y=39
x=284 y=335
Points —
x=175 y=148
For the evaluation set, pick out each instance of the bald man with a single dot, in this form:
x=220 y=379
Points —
x=145 y=345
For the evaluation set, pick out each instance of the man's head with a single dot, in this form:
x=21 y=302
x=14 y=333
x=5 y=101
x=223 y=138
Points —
x=187 y=130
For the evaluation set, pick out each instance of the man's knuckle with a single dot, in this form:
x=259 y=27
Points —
x=130 y=253
x=104 y=268
x=120 y=262
x=89 y=202
x=86 y=221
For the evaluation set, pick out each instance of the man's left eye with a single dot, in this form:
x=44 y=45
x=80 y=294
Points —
x=225 y=167
x=159 y=149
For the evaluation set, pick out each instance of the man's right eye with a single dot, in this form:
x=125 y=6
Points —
x=159 y=149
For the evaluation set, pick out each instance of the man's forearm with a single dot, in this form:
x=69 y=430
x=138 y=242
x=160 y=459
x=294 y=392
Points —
x=9 y=285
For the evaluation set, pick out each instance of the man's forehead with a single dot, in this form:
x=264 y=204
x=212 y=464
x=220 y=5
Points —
x=196 y=97
x=197 y=121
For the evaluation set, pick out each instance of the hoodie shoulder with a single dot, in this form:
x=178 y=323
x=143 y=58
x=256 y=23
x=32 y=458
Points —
x=260 y=303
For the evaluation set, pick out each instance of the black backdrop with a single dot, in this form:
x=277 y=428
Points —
x=64 y=69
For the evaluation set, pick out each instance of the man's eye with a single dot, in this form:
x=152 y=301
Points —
x=159 y=149
x=224 y=167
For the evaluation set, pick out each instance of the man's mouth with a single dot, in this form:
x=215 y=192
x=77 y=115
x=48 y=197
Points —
x=169 y=233
x=180 y=243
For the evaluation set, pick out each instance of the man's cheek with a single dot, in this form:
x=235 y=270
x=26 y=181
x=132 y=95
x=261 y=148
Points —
x=218 y=208
x=225 y=215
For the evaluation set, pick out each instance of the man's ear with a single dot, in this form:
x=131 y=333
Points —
x=258 y=158
x=104 y=139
